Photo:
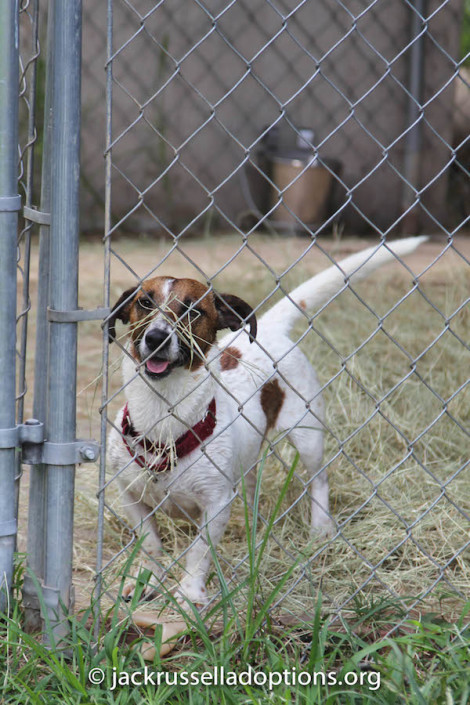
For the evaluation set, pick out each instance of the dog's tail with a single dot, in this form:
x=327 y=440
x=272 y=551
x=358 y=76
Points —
x=319 y=289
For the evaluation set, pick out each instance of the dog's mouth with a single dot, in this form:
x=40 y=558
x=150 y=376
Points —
x=158 y=368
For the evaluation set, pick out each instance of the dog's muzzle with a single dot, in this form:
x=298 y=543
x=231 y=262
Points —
x=156 y=351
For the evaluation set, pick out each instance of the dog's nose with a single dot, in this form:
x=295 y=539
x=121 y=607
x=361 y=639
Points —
x=155 y=339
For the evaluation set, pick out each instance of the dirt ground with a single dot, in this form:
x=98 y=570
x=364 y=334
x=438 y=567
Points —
x=249 y=270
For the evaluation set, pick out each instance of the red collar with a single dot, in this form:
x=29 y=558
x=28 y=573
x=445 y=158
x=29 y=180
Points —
x=185 y=444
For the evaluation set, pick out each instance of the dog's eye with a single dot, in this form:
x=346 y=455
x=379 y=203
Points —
x=190 y=307
x=145 y=302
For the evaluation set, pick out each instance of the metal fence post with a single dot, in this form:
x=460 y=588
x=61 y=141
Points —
x=106 y=302
x=413 y=140
x=9 y=206
x=37 y=485
x=64 y=235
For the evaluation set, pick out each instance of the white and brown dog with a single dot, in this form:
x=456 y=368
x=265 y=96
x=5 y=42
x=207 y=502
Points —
x=198 y=411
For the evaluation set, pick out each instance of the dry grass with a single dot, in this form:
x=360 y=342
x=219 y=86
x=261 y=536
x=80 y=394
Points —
x=402 y=517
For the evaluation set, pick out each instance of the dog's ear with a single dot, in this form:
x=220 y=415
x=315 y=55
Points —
x=120 y=311
x=234 y=313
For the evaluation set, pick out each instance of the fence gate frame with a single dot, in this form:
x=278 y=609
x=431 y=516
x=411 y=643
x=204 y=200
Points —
x=10 y=204
x=47 y=443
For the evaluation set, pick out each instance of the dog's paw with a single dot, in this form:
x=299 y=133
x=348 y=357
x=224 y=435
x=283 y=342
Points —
x=145 y=584
x=322 y=530
x=193 y=591
x=130 y=589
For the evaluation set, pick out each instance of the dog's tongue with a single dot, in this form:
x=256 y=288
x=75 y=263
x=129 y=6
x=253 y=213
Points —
x=157 y=366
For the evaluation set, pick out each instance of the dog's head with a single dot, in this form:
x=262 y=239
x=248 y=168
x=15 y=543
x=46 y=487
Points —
x=174 y=322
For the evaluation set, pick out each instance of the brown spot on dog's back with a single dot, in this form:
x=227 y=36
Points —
x=229 y=358
x=303 y=305
x=272 y=399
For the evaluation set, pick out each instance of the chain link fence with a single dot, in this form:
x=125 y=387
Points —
x=235 y=117
x=248 y=145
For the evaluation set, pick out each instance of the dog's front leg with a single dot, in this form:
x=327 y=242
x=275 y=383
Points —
x=213 y=522
x=142 y=521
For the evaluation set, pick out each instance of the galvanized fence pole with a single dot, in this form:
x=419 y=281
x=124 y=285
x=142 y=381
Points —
x=9 y=206
x=413 y=139
x=37 y=484
x=106 y=302
x=28 y=93
x=64 y=235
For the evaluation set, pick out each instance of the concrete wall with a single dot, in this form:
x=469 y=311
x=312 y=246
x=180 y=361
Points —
x=192 y=97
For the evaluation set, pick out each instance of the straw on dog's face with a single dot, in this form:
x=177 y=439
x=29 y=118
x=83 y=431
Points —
x=174 y=322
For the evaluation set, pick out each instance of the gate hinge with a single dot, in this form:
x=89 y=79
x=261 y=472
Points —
x=10 y=204
x=36 y=450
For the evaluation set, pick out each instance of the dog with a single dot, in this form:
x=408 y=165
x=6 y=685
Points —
x=198 y=410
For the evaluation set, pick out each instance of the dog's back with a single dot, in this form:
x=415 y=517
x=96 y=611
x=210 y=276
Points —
x=274 y=369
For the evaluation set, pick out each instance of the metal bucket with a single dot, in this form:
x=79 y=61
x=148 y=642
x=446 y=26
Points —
x=305 y=188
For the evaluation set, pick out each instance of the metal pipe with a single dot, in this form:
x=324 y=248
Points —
x=106 y=303
x=64 y=240
x=26 y=234
x=37 y=485
x=413 y=140
x=9 y=205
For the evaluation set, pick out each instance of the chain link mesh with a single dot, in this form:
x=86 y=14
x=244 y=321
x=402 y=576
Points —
x=195 y=93
x=206 y=102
